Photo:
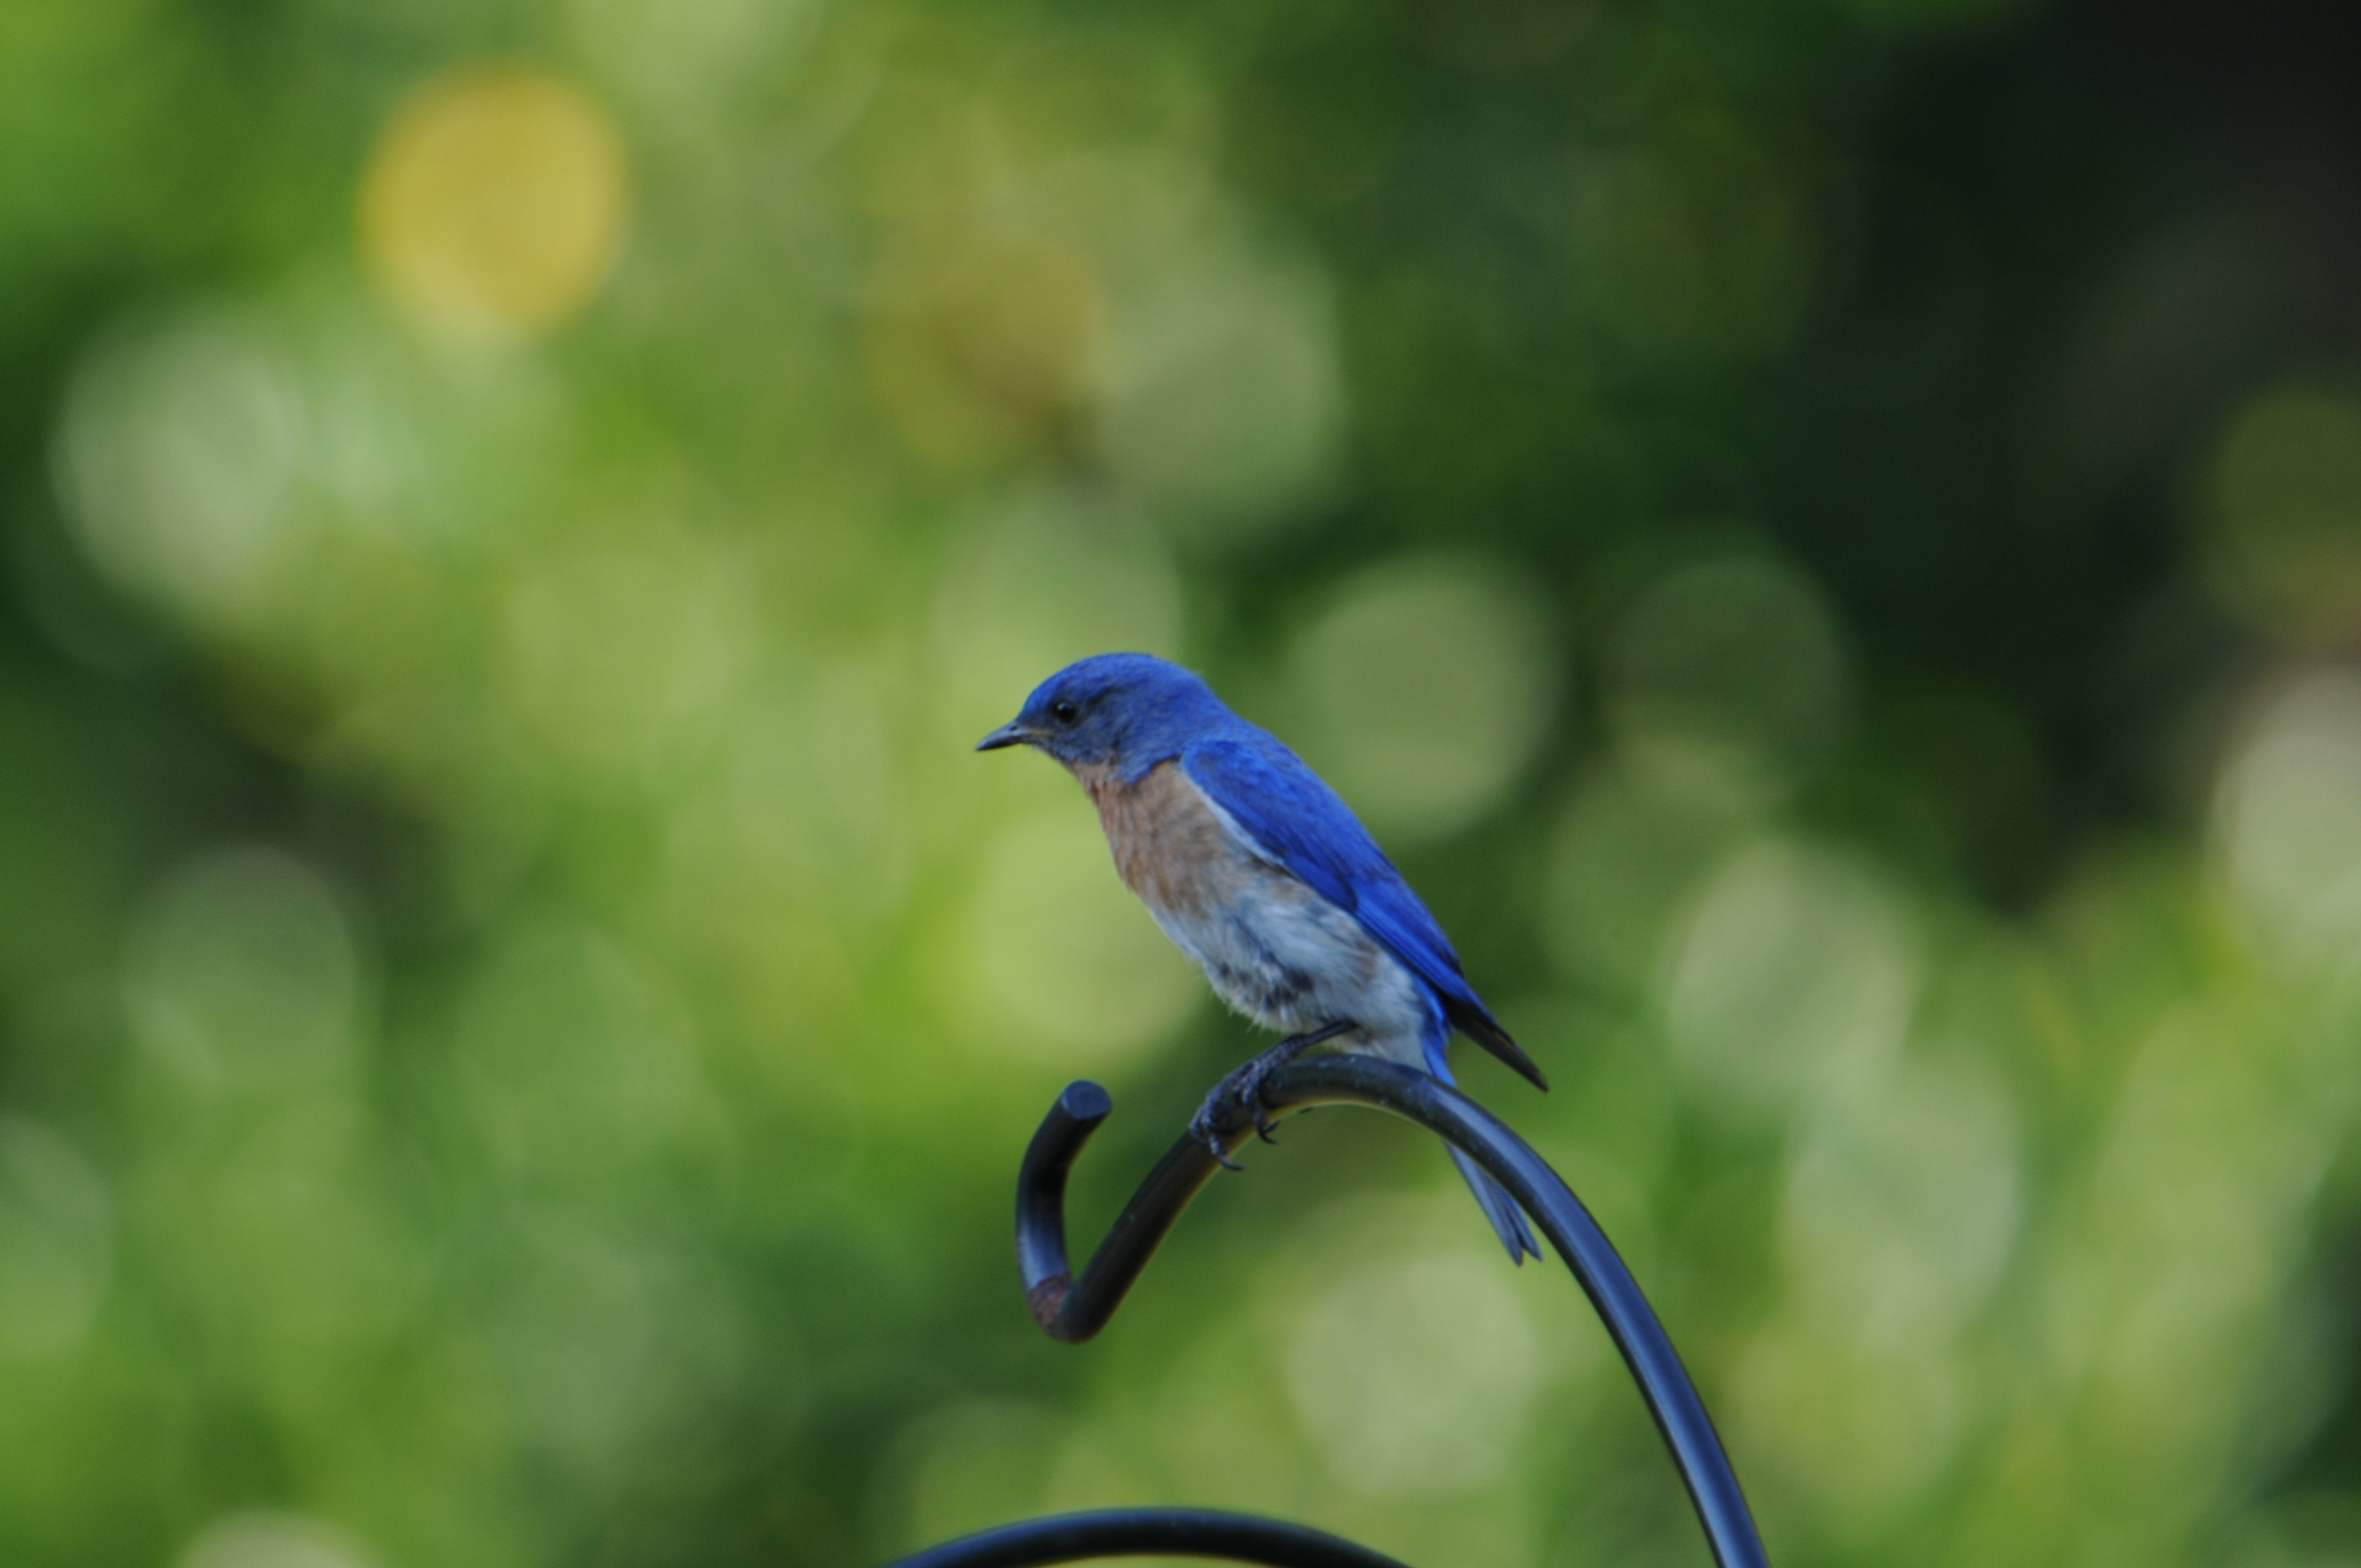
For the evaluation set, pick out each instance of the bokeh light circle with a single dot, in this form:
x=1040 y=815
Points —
x=2288 y=817
x=57 y=1240
x=496 y=202
x=179 y=459
x=1423 y=692
x=243 y=973
x=1731 y=665
x=1222 y=406
x=1901 y=1201
x=2283 y=513
x=263 y=1538
x=1415 y=1376
x=1631 y=854
x=1071 y=968
x=1795 y=975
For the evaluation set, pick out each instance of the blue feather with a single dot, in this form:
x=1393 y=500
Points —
x=1303 y=825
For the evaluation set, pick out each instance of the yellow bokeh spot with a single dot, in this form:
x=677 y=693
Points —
x=980 y=343
x=495 y=203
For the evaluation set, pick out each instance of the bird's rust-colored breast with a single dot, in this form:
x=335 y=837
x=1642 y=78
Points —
x=1169 y=845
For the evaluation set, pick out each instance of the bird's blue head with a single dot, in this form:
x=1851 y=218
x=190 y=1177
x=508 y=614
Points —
x=1123 y=712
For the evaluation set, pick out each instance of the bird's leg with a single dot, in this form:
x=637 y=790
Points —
x=1241 y=1089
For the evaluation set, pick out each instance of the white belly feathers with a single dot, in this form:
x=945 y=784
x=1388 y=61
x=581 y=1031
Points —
x=1292 y=961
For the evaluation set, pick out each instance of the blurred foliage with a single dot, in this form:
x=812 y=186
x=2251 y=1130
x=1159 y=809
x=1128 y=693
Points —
x=1824 y=534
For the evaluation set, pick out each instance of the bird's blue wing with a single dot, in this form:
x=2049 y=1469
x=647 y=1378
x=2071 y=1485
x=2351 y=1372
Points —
x=1292 y=815
x=1294 y=819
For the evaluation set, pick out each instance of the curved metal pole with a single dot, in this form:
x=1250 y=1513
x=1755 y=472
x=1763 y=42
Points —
x=1072 y=1311
x=1148 y=1532
x=1069 y=1312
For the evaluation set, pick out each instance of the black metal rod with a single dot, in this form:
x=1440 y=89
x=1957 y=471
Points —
x=1072 y=1311
x=1069 y=1312
x=1148 y=1532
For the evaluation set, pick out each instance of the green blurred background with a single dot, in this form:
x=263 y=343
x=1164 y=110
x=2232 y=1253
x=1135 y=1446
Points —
x=1823 y=533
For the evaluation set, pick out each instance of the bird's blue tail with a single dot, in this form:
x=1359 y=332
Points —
x=1507 y=1219
x=1500 y=1209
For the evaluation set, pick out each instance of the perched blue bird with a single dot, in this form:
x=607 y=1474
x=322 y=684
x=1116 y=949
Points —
x=1260 y=872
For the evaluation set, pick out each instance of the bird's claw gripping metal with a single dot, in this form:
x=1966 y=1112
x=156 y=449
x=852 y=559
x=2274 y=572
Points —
x=1202 y=1128
x=1237 y=1098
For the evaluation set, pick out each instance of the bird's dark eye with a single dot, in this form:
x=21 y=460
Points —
x=1065 y=710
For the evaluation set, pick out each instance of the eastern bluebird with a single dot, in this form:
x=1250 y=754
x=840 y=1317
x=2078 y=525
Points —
x=1259 y=870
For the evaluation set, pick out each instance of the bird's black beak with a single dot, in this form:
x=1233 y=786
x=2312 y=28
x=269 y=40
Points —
x=1009 y=734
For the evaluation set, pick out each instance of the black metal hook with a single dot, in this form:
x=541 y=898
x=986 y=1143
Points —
x=1148 y=1532
x=1071 y=1311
